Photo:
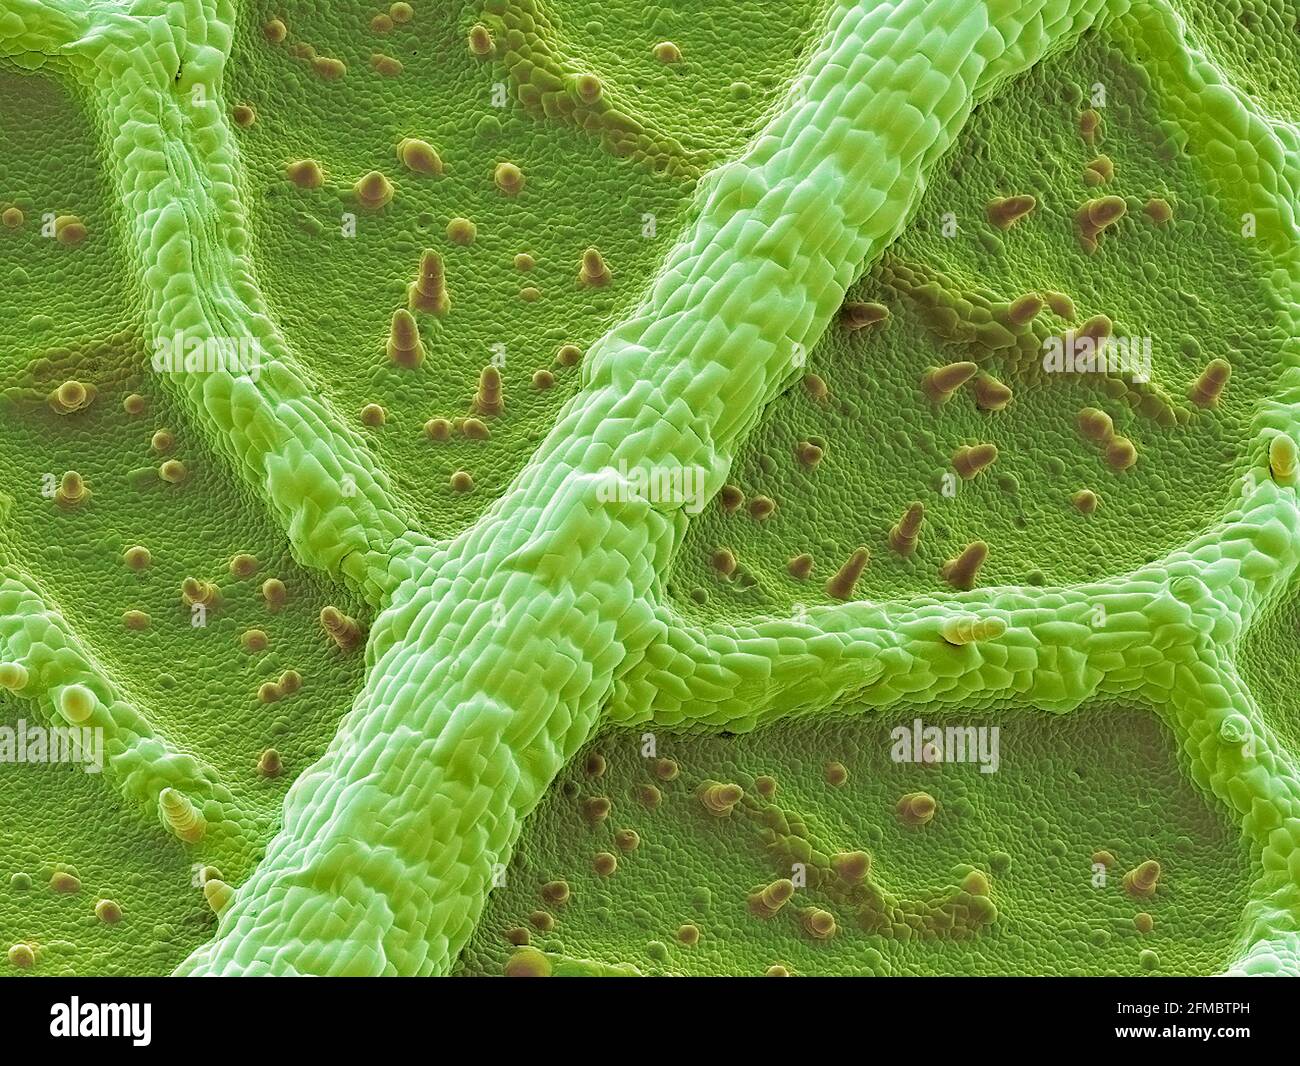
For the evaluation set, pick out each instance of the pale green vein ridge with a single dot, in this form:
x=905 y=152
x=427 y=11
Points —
x=489 y=668
x=137 y=759
x=489 y=674
x=174 y=159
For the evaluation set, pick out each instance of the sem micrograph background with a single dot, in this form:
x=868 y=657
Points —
x=552 y=487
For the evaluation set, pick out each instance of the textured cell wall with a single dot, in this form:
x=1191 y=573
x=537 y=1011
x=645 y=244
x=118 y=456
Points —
x=503 y=263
